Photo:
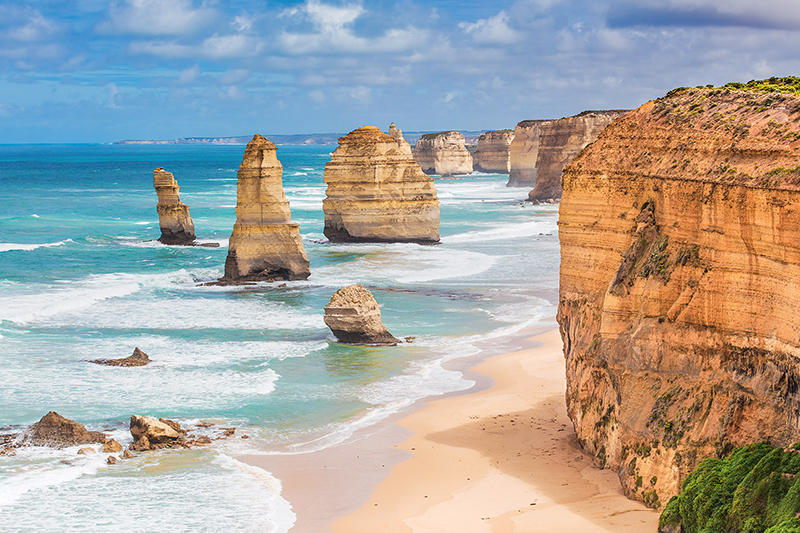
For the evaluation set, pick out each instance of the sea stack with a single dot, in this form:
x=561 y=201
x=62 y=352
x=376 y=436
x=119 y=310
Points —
x=680 y=255
x=355 y=318
x=377 y=192
x=265 y=245
x=493 y=154
x=173 y=216
x=443 y=154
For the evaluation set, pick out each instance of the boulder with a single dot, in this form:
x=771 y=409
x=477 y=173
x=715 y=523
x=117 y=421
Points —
x=111 y=446
x=111 y=460
x=59 y=432
x=149 y=433
x=173 y=216
x=138 y=358
x=87 y=451
x=355 y=318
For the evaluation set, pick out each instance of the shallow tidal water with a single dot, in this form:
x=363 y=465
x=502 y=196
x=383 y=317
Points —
x=82 y=277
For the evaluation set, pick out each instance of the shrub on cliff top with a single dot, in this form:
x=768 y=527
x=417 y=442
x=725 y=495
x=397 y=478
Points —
x=754 y=489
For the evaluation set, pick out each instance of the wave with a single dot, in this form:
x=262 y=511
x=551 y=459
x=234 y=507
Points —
x=511 y=231
x=9 y=246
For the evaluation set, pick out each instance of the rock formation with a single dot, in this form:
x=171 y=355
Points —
x=443 y=154
x=377 y=192
x=680 y=254
x=542 y=148
x=173 y=216
x=355 y=318
x=265 y=245
x=59 y=432
x=151 y=434
x=493 y=153
x=138 y=358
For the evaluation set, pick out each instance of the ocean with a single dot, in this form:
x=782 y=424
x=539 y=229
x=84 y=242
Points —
x=82 y=277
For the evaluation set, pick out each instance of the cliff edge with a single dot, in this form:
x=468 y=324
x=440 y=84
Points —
x=680 y=248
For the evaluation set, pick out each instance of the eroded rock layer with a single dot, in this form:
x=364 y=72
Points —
x=377 y=192
x=680 y=252
x=173 y=216
x=265 y=245
x=444 y=154
x=493 y=153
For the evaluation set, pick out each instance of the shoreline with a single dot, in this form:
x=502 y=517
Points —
x=499 y=456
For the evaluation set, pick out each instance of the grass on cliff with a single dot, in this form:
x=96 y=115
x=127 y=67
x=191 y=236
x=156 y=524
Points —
x=755 y=489
x=786 y=85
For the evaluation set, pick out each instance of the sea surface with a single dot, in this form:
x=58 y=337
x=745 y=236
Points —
x=82 y=277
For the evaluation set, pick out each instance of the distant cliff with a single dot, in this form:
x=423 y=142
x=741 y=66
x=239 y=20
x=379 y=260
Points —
x=541 y=149
x=493 y=153
x=680 y=255
x=443 y=154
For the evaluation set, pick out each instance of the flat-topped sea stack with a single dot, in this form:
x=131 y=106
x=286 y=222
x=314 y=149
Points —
x=542 y=148
x=680 y=255
x=355 y=318
x=377 y=192
x=493 y=153
x=443 y=154
x=265 y=245
x=173 y=216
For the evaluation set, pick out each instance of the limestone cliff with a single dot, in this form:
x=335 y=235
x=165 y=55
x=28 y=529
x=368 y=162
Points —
x=173 y=216
x=377 y=192
x=443 y=154
x=542 y=148
x=493 y=153
x=680 y=250
x=265 y=245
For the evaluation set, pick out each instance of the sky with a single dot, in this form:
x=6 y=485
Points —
x=99 y=71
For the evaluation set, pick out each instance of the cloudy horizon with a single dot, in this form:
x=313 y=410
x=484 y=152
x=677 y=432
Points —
x=97 y=71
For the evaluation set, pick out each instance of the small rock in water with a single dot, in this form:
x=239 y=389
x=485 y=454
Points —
x=228 y=432
x=87 y=451
x=138 y=358
x=355 y=318
x=127 y=454
x=111 y=446
x=59 y=432
x=204 y=424
x=111 y=460
x=245 y=436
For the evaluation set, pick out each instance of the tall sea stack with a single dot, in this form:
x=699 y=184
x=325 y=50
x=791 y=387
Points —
x=265 y=245
x=444 y=154
x=173 y=216
x=493 y=153
x=377 y=192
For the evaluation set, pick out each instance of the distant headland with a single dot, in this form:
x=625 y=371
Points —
x=300 y=138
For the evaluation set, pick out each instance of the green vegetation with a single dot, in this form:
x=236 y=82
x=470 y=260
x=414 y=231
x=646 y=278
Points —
x=499 y=131
x=786 y=85
x=429 y=136
x=755 y=489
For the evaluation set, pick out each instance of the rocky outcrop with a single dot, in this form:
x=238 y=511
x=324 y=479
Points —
x=542 y=148
x=680 y=252
x=377 y=192
x=493 y=153
x=443 y=154
x=173 y=215
x=355 y=318
x=138 y=358
x=151 y=434
x=56 y=431
x=265 y=245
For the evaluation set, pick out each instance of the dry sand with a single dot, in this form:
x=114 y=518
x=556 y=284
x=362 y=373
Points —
x=500 y=460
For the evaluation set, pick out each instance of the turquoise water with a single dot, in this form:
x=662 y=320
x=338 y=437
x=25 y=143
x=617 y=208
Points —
x=81 y=277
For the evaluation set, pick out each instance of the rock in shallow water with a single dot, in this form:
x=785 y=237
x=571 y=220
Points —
x=138 y=358
x=355 y=318
x=56 y=431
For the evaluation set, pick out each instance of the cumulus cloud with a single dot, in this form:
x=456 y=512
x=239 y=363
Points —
x=157 y=17
x=35 y=28
x=494 y=30
x=214 y=47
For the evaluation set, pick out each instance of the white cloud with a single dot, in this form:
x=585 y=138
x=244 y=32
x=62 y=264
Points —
x=214 y=47
x=157 y=17
x=494 y=30
x=37 y=28
x=111 y=101
x=188 y=75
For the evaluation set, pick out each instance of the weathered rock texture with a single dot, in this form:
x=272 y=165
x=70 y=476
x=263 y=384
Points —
x=59 y=432
x=151 y=434
x=265 y=245
x=355 y=318
x=138 y=358
x=173 y=216
x=377 y=192
x=443 y=154
x=493 y=153
x=680 y=255
x=542 y=148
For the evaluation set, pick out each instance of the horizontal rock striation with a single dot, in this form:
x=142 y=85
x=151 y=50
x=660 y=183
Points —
x=173 y=215
x=355 y=318
x=377 y=192
x=265 y=245
x=444 y=154
x=680 y=252
x=493 y=153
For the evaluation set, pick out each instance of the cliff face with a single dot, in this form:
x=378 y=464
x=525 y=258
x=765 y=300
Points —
x=173 y=216
x=493 y=153
x=265 y=245
x=542 y=148
x=443 y=154
x=377 y=192
x=680 y=251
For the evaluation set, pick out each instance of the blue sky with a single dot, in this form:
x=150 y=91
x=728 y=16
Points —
x=99 y=71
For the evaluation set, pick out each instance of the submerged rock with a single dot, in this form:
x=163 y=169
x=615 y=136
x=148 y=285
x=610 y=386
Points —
x=355 y=318
x=173 y=215
x=56 y=431
x=265 y=245
x=138 y=358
